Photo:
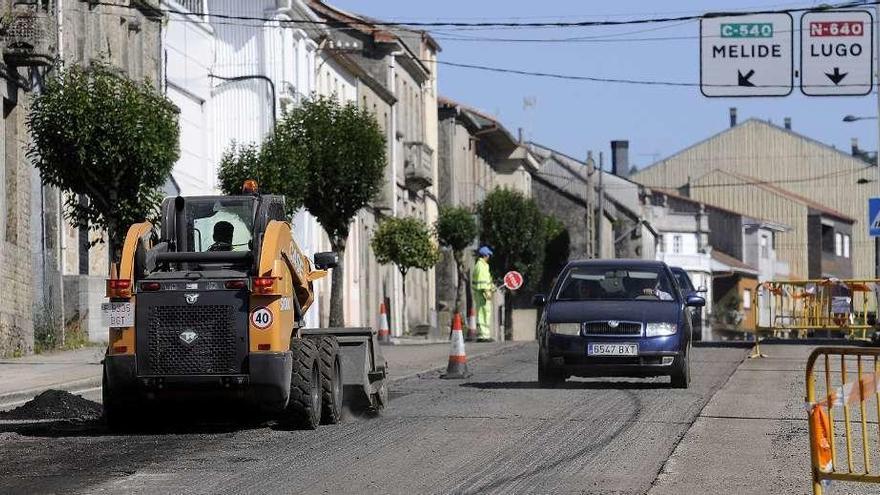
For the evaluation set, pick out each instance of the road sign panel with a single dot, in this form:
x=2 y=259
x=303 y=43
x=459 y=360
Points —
x=837 y=53
x=874 y=217
x=513 y=280
x=749 y=55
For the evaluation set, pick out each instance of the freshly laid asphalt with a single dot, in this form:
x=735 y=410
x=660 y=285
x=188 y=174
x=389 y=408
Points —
x=496 y=432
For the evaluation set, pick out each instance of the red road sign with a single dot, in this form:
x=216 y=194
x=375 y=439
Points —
x=513 y=280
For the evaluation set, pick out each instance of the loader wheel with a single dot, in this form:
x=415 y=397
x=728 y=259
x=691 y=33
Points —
x=304 y=407
x=119 y=415
x=331 y=379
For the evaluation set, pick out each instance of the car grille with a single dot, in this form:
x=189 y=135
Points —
x=212 y=352
x=603 y=328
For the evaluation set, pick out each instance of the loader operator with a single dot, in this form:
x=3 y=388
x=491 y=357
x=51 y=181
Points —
x=482 y=286
x=222 y=236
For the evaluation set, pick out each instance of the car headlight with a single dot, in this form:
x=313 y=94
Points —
x=565 y=328
x=660 y=329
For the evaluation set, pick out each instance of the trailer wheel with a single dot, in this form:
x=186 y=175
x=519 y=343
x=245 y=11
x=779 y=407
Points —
x=304 y=406
x=331 y=379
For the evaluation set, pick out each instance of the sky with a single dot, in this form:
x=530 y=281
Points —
x=576 y=116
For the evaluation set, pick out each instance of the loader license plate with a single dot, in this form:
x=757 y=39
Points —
x=612 y=349
x=118 y=314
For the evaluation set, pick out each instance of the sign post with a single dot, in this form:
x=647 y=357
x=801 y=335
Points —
x=837 y=53
x=748 y=55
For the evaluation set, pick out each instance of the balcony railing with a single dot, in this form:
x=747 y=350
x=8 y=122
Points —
x=417 y=169
x=29 y=33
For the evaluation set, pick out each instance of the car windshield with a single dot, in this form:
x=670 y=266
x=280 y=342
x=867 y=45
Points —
x=603 y=283
x=684 y=282
x=220 y=224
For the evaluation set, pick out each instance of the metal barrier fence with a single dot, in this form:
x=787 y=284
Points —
x=801 y=308
x=857 y=395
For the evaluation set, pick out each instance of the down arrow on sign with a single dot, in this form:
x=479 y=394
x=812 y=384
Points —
x=836 y=76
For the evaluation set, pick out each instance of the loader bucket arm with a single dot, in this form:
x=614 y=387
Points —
x=279 y=253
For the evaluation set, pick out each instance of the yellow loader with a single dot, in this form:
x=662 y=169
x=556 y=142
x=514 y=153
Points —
x=211 y=305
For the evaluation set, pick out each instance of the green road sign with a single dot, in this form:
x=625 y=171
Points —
x=747 y=30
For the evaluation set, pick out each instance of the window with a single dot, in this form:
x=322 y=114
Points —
x=765 y=247
x=827 y=238
x=676 y=244
x=846 y=240
x=596 y=283
x=747 y=299
x=838 y=244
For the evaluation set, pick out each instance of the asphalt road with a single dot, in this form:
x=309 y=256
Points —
x=494 y=433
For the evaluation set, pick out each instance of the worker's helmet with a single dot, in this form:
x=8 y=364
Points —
x=485 y=251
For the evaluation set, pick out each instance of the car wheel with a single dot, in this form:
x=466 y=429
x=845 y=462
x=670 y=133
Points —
x=548 y=376
x=681 y=373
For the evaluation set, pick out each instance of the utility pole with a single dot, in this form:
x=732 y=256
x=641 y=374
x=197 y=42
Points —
x=601 y=206
x=591 y=212
x=877 y=87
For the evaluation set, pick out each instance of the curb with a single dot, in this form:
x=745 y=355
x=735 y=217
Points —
x=477 y=356
x=11 y=399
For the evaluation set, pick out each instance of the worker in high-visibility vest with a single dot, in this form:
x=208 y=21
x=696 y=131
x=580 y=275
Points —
x=482 y=287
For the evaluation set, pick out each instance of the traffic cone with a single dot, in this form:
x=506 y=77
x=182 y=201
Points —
x=384 y=331
x=472 y=325
x=457 y=367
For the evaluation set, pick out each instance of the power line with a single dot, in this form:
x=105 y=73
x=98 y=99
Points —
x=556 y=24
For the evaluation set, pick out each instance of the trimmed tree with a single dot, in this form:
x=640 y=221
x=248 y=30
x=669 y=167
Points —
x=456 y=230
x=112 y=141
x=513 y=226
x=405 y=242
x=241 y=162
x=326 y=156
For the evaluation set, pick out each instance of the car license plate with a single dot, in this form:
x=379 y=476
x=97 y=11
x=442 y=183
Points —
x=118 y=314
x=612 y=349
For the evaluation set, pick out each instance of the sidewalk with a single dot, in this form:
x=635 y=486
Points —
x=751 y=438
x=79 y=371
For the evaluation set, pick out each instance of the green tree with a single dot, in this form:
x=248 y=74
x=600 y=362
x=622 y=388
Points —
x=456 y=230
x=107 y=139
x=324 y=155
x=514 y=227
x=405 y=242
x=241 y=162
x=556 y=251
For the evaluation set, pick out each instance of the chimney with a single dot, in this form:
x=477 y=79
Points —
x=855 y=146
x=620 y=158
x=732 y=116
x=519 y=133
x=788 y=123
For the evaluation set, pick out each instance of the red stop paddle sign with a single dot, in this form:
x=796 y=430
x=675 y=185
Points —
x=513 y=280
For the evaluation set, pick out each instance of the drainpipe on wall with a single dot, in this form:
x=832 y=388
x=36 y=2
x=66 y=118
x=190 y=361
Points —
x=396 y=281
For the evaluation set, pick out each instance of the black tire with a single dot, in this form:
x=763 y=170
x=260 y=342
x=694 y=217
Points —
x=548 y=376
x=304 y=406
x=120 y=415
x=681 y=373
x=331 y=378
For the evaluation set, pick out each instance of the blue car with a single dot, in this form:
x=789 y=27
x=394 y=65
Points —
x=615 y=318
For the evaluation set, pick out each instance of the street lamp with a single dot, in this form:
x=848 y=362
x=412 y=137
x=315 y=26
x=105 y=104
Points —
x=853 y=118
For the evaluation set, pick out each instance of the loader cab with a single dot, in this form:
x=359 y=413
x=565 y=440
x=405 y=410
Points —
x=228 y=229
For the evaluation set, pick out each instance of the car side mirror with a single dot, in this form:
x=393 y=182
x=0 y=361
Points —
x=702 y=289
x=326 y=260
x=539 y=300
x=695 y=301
